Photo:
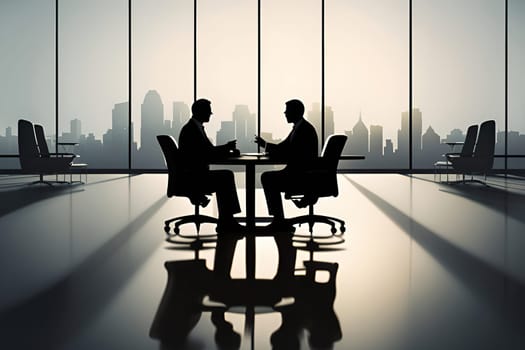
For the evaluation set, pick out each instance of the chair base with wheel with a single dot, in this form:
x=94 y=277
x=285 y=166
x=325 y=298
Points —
x=192 y=239
x=312 y=240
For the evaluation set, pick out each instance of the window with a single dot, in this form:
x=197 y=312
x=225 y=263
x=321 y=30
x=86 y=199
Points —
x=227 y=69
x=516 y=83
x=162 y=59
x=93 y=80
x=290 y=61
x=367 y=80
x=27 y=71
x=459 y=80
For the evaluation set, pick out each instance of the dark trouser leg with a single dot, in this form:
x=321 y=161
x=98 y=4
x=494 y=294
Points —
x=287 y=255
x=224 y=252
x=273 y=183
x=222 y=183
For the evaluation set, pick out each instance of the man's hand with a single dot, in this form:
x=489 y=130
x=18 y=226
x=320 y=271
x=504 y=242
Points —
x=231 y=145
x=260 y=141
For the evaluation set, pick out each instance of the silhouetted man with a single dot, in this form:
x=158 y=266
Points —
x=299 y=150
x=196 y=153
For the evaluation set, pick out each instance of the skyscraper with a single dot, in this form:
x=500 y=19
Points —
x=152 y=121
x=402 y=134
x=152 y=124
x=226 y=132
x=181 y=114
x=359 y=138
x=76 y=129
x=244 y=128
x=314 y=117
x=376 y=141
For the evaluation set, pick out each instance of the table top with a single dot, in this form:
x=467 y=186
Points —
x=249 y=158
x=454 y=143
x=254 y=158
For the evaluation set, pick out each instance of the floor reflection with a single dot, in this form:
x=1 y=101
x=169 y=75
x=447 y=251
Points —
x=304 y=299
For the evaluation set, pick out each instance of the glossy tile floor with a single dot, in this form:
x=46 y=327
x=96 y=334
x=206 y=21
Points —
x=424 y=265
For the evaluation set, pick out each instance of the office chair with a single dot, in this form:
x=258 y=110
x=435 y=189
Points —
x=481 y=161
x=170 y=151
x=320 y=182
x=466 y=150
x=44 y=153
x=32 y=161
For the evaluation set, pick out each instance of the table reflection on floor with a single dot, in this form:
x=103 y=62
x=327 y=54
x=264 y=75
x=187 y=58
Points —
x=303 y=301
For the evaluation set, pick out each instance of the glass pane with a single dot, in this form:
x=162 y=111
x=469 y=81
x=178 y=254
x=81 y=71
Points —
x=516 y=74
x=227 y=69
x=290 y=62
x=162 y=74
x=367 y=80
x=93 y=80
x=459 y=61
x=27 y=71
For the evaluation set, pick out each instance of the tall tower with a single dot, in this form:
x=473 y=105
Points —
x=181 y=114
x=376 y=141
x=314 y=117
x=152 y=121
x=76 y=129
x=417 y=130
x=359 y=140
x=152 y=124
x=244 y=128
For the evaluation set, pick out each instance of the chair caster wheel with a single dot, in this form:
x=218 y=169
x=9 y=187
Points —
x=167 y=229
x=343 y=229
x=333 y=230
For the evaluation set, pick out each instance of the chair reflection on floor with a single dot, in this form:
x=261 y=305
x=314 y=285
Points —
x=192 y=289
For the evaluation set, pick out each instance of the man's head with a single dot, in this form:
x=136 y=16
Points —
x=294 y=111
x=201 y=110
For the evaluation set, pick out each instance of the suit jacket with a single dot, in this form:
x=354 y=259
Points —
x=299 y=148
x=196 y=150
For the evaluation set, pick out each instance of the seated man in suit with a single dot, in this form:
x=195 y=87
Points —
x=299 y=150
x=196 y=152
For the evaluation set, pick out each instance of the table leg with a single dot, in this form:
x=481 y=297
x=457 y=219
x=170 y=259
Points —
x=250 y=221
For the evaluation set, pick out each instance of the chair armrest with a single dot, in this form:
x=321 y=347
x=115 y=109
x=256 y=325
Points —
x=63 y=155
x=452 y=154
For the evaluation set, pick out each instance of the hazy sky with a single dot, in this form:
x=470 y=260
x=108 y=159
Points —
x=458 y=60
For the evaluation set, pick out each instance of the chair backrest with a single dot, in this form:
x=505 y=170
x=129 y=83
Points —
x=41 y=140
x=170 y=151
x=470 y=141
x=332 y=150
x=484 y=151
x=27 y=145
x=330 y=155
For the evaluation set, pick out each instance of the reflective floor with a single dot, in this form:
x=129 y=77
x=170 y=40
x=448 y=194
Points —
x=423 y=265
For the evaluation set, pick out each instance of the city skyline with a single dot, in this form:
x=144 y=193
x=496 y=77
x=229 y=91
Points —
x=110 y=150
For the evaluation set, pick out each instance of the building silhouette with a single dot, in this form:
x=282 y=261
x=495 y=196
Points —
x=151 y=125
x=357 y=139
x=455 y=135
x=402 y=134
x=245 y=128
x=181 y=114
x=226 y=132
x=314 y=117
x=376 y=141
x=112 y=150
